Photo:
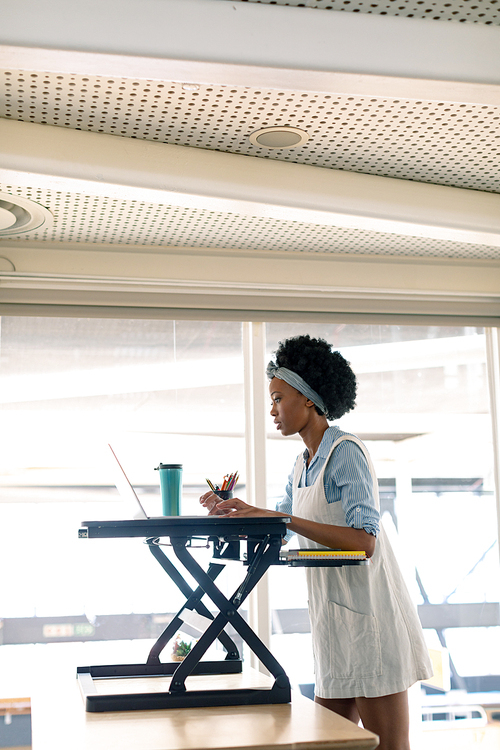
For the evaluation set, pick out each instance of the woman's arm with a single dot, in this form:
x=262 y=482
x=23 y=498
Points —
x=334 y=537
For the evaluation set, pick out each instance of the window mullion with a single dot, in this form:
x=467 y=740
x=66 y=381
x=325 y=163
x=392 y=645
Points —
x=254 y=346
x=493 y=367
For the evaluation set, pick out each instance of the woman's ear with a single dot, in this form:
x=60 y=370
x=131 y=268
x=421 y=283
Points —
x=309 y=403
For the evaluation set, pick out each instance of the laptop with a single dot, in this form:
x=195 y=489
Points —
x=126 y=490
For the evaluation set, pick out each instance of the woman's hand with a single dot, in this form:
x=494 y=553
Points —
x=232 y=507
x=237 y=507
x=210 y=501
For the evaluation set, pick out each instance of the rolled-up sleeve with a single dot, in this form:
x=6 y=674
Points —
x=350 y=475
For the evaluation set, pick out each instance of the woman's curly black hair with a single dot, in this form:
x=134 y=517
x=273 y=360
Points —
x=324 y=370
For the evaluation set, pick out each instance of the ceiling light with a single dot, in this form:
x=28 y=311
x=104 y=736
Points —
x=19 y=215
x=279 y=137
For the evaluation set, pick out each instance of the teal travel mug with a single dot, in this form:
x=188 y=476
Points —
x=171 y=488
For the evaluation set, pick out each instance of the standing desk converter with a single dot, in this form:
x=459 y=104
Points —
x=262 y=538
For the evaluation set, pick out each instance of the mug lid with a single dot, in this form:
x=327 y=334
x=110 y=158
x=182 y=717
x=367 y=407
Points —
x=168 y=466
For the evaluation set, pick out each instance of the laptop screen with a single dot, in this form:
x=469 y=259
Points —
x=126 y=490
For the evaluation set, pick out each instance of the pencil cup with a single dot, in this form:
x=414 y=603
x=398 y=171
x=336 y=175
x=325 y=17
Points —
x=224 y=494
x=171 y=488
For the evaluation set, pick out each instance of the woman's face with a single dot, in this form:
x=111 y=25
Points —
x=289 y=407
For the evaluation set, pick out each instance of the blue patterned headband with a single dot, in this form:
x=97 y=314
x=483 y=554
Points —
x=282 y=373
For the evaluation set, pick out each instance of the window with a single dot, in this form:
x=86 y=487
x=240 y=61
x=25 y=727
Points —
x=158 y=391
x=173 y=391
x=423 y=411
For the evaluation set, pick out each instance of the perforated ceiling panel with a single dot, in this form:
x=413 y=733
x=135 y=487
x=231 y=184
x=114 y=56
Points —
x=89 y=219
x=466 y=11
x=437 y=142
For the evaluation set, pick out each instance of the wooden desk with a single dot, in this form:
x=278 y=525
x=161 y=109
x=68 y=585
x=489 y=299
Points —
x=59 y=721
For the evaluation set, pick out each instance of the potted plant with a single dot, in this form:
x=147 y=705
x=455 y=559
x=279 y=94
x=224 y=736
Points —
x=180 y=649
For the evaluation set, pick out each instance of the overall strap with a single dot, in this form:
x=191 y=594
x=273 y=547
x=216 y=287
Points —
x=297 y=470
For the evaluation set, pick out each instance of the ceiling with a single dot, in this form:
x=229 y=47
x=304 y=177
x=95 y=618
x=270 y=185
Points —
x=400 y=100
x=479 y=11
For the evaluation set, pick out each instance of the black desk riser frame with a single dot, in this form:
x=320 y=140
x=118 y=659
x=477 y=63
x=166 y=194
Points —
x=262 y=537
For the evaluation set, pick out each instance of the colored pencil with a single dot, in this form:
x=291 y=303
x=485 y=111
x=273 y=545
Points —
x=228 y=483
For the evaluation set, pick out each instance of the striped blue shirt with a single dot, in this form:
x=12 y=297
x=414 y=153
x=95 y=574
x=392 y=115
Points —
x=347 y=479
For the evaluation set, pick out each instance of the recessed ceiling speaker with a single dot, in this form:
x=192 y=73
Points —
x=20 y=215
x=279 y=137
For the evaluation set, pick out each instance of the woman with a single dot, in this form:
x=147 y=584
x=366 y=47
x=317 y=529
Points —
x=367 y=640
